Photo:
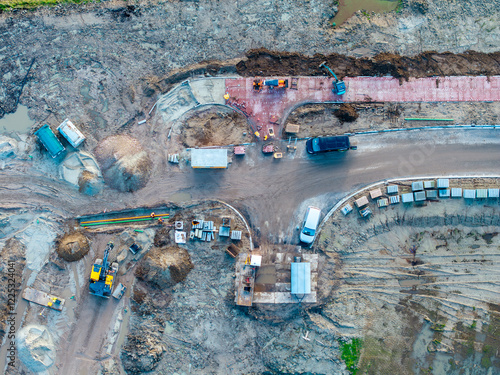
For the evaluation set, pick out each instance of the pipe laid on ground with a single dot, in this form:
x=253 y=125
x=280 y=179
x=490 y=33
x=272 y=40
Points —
x=114 y=222
x=428 y=119
x=124 y=218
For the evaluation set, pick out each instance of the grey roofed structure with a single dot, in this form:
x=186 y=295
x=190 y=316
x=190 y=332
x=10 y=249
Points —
x=419 y=196
x=469 y=193
x=417 y=186
x=209 y=158
x=407 y=198
x=493 y=193
x=443 y=183
x=482 y=193
x=444 y=193
x=301 y=278
x=456 y=192
x=431 y=194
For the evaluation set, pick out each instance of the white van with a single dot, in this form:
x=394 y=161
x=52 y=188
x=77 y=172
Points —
x=311 y=222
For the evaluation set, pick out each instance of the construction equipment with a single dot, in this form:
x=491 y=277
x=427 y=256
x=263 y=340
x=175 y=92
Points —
x=338 y=85
x=259 y=84
x=276 y=83
x=103 y=274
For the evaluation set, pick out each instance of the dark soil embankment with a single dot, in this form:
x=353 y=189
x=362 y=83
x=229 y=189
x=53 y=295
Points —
x=261 y=62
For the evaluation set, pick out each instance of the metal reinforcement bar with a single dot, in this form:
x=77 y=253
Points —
x=125 y=218
x=428 y=119
x=115 y=222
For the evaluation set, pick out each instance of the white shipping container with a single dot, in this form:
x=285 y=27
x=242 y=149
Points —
x=71 y=133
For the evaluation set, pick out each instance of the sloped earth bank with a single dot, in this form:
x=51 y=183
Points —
x=103 y=64
x=419 y=285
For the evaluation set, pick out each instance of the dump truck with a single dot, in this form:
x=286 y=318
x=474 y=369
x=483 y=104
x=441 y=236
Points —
x=103 y=274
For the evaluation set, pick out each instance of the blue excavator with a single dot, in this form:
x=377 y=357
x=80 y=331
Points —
x=338 y=85
x=103 y=274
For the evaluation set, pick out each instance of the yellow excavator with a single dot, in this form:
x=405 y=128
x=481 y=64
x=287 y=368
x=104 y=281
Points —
x=103 y=274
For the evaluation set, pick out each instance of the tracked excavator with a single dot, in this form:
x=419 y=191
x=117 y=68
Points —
x=338 y=85
x=103 y=274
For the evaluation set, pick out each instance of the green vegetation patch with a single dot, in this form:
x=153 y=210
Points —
x=31 y=4
x=350 y=354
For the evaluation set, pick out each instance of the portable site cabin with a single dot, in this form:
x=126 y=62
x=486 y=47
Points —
x=50 y=141
x=71 y=133
x=301 y=278
x=209 y=158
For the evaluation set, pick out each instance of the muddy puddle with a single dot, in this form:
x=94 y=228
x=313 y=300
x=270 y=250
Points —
x=348 y=7
x=18 y=121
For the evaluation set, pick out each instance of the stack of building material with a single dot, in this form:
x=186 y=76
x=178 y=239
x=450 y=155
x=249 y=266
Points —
x=383 y=202
x=431 y=194
x=377 y=193
x=417 y=186
x=444 y=193
x=407 y=198
x=394 y=199
x=493 y=193
x=419 y=196
x=392 y=189
x=456 y=192
x=346 y=209
x=469 y=194
x=443 y=183
x=236 y=235
x=428 y=184
x=482 y=193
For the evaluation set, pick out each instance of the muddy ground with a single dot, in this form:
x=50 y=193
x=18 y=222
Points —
x=427 y=64
x=418 y=285
x=115 y=58
x=322 y=119
x=214 y=127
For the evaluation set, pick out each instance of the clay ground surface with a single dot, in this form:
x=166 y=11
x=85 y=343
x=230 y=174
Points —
x=104 y=65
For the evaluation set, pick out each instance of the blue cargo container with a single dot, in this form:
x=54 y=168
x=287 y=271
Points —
x=50 y=141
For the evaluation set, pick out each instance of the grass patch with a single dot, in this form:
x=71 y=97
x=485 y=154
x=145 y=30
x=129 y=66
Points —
x=350 y=354
x=31 y=4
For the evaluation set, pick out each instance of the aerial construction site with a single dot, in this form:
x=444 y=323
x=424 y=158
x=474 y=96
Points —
x=250 y=187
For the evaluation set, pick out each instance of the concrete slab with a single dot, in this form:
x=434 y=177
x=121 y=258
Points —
x=209 y=90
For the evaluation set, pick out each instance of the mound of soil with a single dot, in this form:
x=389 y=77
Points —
x=164 y=267
x=215 y=127
x=426 y=64
x=144 y=348
x=36 y=347
x=89 y=183
x=346 y=113
x=162 y=237
x=125 y=165
x=73 y=246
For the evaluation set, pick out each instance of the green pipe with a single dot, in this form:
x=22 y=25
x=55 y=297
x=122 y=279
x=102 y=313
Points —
x=115 y=222
x=138 y=230
x=428 y=119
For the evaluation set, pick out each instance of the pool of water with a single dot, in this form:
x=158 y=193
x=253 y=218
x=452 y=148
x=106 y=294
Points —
x=18 y=121
x=348 y=7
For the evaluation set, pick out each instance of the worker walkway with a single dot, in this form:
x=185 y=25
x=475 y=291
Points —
x=268 y=108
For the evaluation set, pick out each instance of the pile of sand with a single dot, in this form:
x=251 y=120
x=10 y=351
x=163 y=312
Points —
x=165 y=267
x=73 y=246
x=36 y=348
x=124 y=163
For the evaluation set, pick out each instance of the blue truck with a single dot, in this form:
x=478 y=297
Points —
x=50 y=141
